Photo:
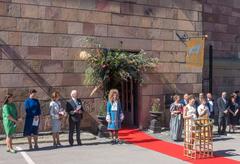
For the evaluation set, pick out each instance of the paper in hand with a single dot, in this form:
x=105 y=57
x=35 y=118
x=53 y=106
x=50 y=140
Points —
x=35 y=122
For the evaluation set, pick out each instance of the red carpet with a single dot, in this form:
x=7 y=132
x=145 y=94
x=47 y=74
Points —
x=144 y=140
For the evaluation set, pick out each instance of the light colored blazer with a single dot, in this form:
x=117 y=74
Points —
x=54 y=108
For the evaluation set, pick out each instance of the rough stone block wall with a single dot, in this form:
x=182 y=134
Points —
x=50 y=34
x=221 y=20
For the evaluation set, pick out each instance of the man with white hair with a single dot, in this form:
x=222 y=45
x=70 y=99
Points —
x=184 y=101
x=222 y=105
x=74 y=108
x=210 y=104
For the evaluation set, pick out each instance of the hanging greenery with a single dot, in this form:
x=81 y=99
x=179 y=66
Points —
x=106 y=65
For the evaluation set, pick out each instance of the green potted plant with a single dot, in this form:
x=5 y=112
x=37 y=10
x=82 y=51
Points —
x=155 y=113
x=101 y=115
x=155 y=108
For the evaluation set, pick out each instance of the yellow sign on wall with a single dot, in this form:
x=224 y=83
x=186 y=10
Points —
x=195 y=52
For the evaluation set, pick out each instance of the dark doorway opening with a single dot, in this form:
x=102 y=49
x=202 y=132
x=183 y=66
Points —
x=128 y=92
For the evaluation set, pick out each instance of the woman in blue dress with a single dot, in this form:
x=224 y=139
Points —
x=114 y=114
x=32 y=118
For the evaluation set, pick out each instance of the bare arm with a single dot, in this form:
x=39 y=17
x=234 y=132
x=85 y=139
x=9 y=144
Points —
x=236 y=112
x=12 y=119
x=185 y=114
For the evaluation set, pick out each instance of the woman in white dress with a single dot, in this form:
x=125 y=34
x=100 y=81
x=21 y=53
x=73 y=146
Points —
x=56 y=113
x=190 y=114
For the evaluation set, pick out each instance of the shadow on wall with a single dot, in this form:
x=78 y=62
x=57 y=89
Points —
x=11 y=54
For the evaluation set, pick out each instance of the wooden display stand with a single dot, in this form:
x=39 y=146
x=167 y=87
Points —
x=198 y=142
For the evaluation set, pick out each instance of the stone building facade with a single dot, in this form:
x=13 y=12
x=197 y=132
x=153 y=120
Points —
x=221 y=20
x=43 y=39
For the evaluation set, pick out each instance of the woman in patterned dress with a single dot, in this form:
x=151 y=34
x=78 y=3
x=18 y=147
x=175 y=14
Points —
x=56 y=113
x=176 y=122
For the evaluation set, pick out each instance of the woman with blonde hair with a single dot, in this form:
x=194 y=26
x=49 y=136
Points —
x=176 y=122
x=114 y=114
x=56 y=113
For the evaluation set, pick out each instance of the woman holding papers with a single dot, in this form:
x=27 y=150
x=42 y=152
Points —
x=56 y=113
x=32 y=118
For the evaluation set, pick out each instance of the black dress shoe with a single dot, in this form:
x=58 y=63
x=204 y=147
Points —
x=71 y=144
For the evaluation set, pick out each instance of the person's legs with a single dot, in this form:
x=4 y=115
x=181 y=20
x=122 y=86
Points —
x=219 y=125
x=113 y=137
x=58 y=140
x=230 y=127
x=35 y=138
x=116 y=134
x=233 y=128
x=112 y=134
x=77 y=124
x=71 y=131
x=29 y=141
x=8 y=143
x=117 y=137
x=54 y=139
x=224 y=124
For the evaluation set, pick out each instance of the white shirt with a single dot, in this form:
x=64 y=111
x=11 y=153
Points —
x=201 y=111
x=114 y=106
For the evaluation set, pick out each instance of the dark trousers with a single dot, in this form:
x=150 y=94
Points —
x=222 y=124
x=72 y=126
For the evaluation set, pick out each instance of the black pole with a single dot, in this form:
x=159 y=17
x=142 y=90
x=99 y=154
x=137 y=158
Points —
x=210 y=67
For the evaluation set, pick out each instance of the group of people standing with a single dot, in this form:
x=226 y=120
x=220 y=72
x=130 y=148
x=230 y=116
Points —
x=227 y=112
x=74 y=110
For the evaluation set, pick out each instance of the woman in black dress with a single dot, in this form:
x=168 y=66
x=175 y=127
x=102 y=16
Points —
x=233 y=111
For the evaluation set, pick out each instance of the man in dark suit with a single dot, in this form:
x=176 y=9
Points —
x=222 y=105
x=74 y=108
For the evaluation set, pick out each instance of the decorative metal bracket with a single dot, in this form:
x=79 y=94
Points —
x=184 y=37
